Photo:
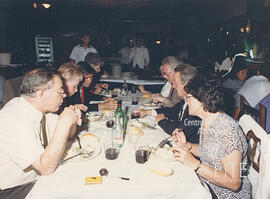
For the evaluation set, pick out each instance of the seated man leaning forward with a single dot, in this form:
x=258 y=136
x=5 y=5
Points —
x=177 y=116
x=31 y=144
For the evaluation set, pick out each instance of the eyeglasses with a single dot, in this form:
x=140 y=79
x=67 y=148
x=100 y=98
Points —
x=187 y=97
x=61 y=92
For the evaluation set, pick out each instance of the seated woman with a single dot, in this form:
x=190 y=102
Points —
x=84 y=94
x=222 y=148
x=71 y=76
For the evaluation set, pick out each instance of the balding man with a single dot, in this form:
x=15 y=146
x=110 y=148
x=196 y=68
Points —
x=32 y=138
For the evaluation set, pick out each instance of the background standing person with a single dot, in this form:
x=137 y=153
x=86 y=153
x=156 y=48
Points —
x=34 y=143
x=139 y=57
x=81 y=50
x=124 y=53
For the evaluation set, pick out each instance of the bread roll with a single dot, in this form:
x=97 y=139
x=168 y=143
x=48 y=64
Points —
x=147 y=96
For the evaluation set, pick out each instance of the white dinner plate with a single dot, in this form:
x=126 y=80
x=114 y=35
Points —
x=163 y=154
x=73 y=148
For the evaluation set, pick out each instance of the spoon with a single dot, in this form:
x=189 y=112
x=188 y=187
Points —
x=105 y=172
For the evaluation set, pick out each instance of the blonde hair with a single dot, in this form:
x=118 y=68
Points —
x=70 y=71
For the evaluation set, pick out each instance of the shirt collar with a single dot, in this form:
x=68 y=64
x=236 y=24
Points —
x=32 y=113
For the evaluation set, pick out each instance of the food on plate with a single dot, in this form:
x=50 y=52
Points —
x=88 y=139
x=94 y=116
x=147 y=96
x=135 y=130
x=164 y=154
x=90 y=146
x=118 y=90
x=160 y=169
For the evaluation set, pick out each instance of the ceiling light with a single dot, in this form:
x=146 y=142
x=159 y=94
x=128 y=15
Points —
x=46 y=5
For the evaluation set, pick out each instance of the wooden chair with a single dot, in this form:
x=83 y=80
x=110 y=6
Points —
x=260 y=117
x=258 y=153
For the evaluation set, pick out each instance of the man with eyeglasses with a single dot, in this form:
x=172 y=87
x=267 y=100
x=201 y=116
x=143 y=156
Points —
x=170 y=118
x=33 y=138
x=169 y=63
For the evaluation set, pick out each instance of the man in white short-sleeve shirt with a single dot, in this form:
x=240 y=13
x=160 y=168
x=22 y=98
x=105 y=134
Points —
x=24 y=153
x=81 y=50
x=256 y=87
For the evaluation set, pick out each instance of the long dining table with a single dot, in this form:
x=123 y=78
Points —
x=68 y=181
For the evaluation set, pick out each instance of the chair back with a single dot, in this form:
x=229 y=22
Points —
x=11 y=88
x=258 y=115
x=266 y=102
x=258 y=153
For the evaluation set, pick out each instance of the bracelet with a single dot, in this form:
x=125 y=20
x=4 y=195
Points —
x=198 y=167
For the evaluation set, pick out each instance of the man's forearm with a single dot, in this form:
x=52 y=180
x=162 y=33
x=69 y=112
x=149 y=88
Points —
x=49 y=159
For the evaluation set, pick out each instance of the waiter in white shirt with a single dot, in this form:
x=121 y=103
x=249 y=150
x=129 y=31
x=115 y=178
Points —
x=139 y=55
x=81 y=50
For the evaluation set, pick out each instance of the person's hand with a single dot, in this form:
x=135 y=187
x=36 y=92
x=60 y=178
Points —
x=81 y=107
x=160 y=117
x=179 y=138
x=108 y=98
x=71 y=115
x=146 y=66
x=157 y=97
x=104 y=85
x=142 y=113
x=141 y=87
x=185 y=156
x=109 y=105
x=98 y=90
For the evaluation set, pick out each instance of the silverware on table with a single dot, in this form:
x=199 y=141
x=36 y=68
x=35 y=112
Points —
x=146 y=124
x=71 y=157
x=79 y=141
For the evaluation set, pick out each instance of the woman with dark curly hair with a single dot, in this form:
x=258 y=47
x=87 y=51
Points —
x=222 y=148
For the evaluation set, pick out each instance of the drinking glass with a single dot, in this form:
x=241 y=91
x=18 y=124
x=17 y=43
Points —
x=111 y=151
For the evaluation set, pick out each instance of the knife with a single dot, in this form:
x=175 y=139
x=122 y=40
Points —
x=79 y=142
x=71 y=157
x=165 y=141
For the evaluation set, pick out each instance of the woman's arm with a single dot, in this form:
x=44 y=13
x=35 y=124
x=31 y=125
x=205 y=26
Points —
x=228 y=178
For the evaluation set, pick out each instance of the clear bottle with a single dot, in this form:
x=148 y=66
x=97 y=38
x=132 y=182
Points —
x=125 y=88
x=117 y=133
x=119 y=112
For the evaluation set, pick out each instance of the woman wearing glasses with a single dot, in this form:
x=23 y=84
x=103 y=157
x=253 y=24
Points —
x=222 y=148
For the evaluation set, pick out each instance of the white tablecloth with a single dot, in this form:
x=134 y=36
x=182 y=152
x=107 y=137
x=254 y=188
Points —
x=68 y=179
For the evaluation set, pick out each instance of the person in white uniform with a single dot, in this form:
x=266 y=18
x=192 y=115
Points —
x=139 y=57
x=81 y=50
x=32 y=138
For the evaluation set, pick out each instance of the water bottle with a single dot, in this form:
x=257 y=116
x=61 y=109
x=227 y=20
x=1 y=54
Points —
x=125 y=88
x=117 y=133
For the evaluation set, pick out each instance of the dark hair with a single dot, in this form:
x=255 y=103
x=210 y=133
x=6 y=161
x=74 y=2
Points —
x=84 y=34
x=36 y=80
x=208 y=90
x=93 y=59
x=85 y=68
x=239 y=64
